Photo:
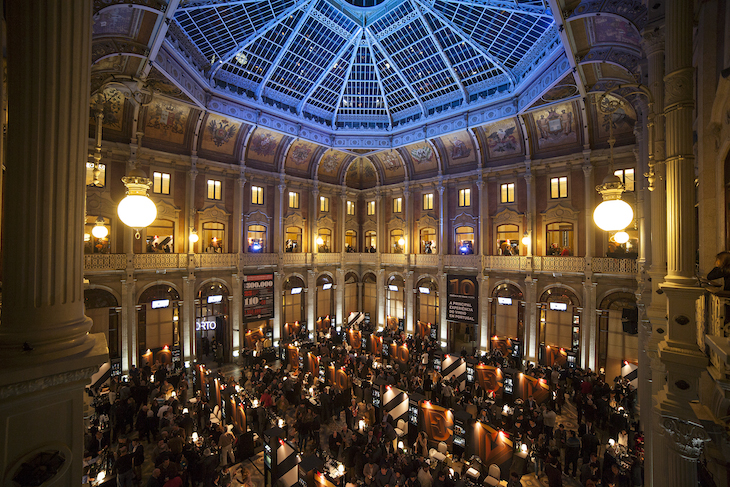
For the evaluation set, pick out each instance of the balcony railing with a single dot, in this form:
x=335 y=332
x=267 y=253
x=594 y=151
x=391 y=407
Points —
x=713 y=329
x=505 y=263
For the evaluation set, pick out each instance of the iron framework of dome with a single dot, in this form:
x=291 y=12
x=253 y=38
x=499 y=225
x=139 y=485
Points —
x=378 y=67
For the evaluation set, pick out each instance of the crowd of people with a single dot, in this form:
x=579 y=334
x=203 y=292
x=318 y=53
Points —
x=158 y=411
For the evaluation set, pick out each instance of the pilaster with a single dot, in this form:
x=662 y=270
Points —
x=483 y=215
x=588 y=207
x=380 y=286
x=482 y=330
x=339 y=286
x=237 y=326
x=588 y=324
x=443 y=308
x=311 y=299
x=279 y=306
x=531 y=320
x=187 y=327
x=531 y=206
x=410 y=292
x=279 y=212
x=190 y=207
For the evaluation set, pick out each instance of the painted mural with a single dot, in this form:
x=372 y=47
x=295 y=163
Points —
x=611 y=30
x=166 y=120
x=459 y=149
x=503 y=139
x=422 y=157
x=219 y=135
x=361 y=174
x=555 y=126
x=623 y=117
x=111 y=102
x=300 y=155
x=263 y=145
x=114 y=22
x=330 y=162
x=391 y=163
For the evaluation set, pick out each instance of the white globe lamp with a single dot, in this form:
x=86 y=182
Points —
x=100 y=231
x=194 y=236
x=136 y=210
x=621 y=237
x=613 y=214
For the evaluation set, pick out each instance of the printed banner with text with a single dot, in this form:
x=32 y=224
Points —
x=462 y=299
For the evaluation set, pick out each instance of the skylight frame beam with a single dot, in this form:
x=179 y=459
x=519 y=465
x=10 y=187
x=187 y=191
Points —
x=259 y=33
x=347 y=77
x=505 y=6
x=209 y=4
x=396 y=69
x=380 y=84
x=517 y=45
x=284 y=50
x=442 y=53
x=468 y=39
x=354 y=39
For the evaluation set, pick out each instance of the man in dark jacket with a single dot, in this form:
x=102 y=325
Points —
x=572 y=452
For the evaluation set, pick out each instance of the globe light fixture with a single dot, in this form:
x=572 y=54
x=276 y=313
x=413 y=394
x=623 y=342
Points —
x=621 y=237
x=401 y=241
x=526 y=240
x=320 y=241
x=136 y=210
x=100 y=231
x=612 y=214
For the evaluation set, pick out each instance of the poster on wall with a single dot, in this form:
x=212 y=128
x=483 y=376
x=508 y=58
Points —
x=462 y=299
x=258 y=297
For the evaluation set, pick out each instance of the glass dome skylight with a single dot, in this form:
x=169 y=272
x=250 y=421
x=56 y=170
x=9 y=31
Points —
x=375 y=66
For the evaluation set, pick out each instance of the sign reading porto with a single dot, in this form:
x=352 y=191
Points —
x=258 y=297
x=462 y=298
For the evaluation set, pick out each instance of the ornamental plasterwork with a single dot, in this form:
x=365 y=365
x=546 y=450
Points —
x=213 y=213
x=396 y=223
x=167 y=211
x=325 y=222
x=464 y=219
x=369 y=226
x=98 y=205
x=560 y=213
x=20 y=388
x=507 y=215
x=294 y=220
x=688 y=437
x=427 y=222
x=259 y=217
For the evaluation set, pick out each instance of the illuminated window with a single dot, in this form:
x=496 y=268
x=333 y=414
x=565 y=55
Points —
x=371 y=207
x=257 y=195
x=324 y=204
x=90 y=175
x=397 y=205
x=507 y=193
x=465 y=197
x=256 y=238
x=293 y=200
x=160 y=183
x=559 y=187
x=428 y=201
x=350 y=207
x=627 y=177
x=214 y=189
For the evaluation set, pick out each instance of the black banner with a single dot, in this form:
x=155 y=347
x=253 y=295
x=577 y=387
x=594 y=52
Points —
x=462 y=299
x=258 y=297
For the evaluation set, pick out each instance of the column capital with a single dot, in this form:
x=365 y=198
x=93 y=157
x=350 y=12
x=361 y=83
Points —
x=653 y=41
x=587 y=169
x=687 y=437
x=192 y=174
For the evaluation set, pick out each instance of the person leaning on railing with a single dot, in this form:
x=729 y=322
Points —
x=721 y=269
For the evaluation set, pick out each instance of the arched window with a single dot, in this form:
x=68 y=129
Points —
x=559 y=323
x=428 y=240
x=325 y=296
x=615 y=345
x=507 y=312
x=93 y=244
x=324 y=240
x=371 y=241
x=464 y=240
x=559 y=239
x=397 y=242
x=293 y=301
x=158 y=321
x=293 y=239
x=256 y=238
x=351 y=241
x=101 y=307
x=508 y=240
x=395 y=293
x=160 y=237
x=214 y=237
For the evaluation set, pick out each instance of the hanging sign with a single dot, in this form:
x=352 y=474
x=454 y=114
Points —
x=462 y=299
x=258 y=297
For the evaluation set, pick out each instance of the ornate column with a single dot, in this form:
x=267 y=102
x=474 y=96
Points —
x=128 y=325
x=588 y=324
x=359 y=298
x=237 y=219
x=408 y=229
x=482 y=188
x=313 y=216
x=382 y=245
x=187 y=327
x=409 y=294
x=238 y=327
x=531 y=319
x=443 y=220
x=46 y=353
x=279 y=211
x=443 y=308
x=482 y=331
x=190 y=208
x=278 y=306
x=380 y=286
x=311 y=299
x=342 y=223
x=531 y=207
x=679 y=452
x=339 y=287
x=589 y=193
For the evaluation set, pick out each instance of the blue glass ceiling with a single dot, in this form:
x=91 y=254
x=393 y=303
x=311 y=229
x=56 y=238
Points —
x=350 y=66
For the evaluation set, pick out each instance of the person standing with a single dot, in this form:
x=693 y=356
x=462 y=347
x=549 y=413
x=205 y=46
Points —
x=123 y=468
x=572 y=452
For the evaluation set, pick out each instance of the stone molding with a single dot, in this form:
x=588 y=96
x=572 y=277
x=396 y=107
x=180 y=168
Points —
x=28 y=387
x=688 y=437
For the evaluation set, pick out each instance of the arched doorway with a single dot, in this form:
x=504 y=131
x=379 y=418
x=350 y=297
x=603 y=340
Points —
x=427 y=304
x=293 y=304
x=618 y=339
x=559 y=329
x=395 y=300
x=103 y=309
x=370 y=297
x=158 y=325
x=212 y=333
x=507 y=323
x=351 y=295
x=325 y=296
